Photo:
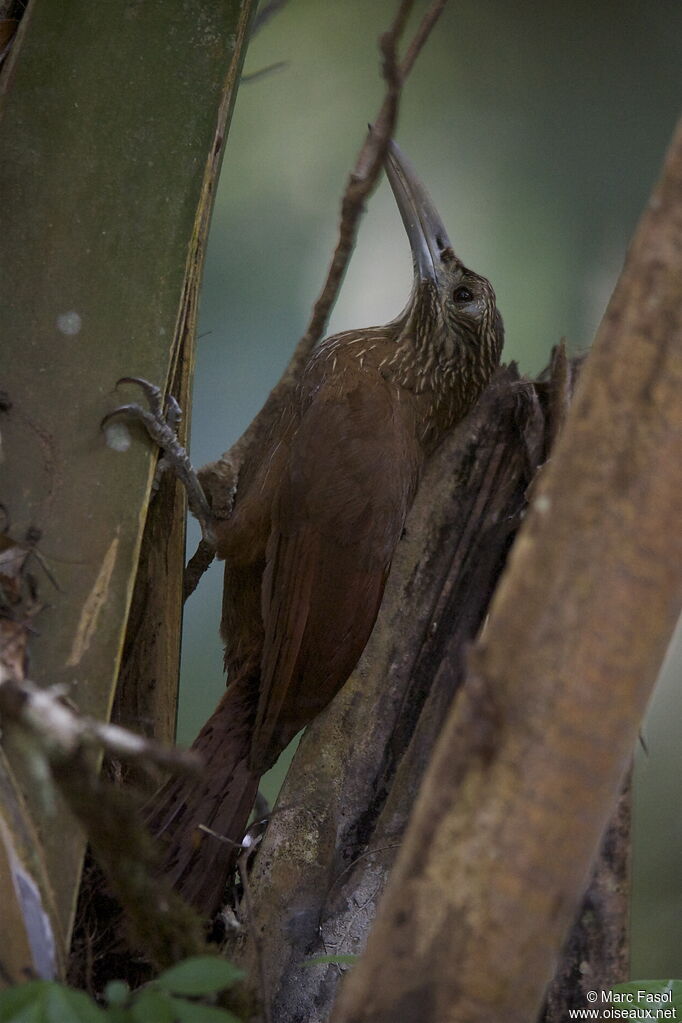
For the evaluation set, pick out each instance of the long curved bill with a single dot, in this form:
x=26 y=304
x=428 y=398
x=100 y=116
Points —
x=425 y=230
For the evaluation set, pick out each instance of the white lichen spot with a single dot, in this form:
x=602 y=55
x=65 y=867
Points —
x=69 y=323
x=543 y=504
x=117 y=436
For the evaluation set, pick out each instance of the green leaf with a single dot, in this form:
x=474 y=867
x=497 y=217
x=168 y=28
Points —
x=199 y=975
x=64 y=1005
x=348 y=960
x=43 y=1001
x=15 y=1000
x=117 y=993
x=195 y=1012
x=652 y=995
x=152 y=1005
x=119 y=1014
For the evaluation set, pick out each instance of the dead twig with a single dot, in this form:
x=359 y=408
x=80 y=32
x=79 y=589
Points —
x=60 y=730
x=266 y=12
x=421 y=35
x=269 y=69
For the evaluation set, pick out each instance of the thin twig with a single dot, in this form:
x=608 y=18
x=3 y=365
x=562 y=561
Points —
x=361 y=184
x=220 y=838
x=61 y=730
x=368 y=166
x=266 y=12
x=278 y=65
x=421 y=35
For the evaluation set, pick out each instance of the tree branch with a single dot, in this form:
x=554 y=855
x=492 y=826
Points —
x=61 y=731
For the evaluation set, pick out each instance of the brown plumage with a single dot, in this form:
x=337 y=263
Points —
x=316 y=521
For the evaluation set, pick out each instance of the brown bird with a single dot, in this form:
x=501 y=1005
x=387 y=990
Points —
x=318 y=512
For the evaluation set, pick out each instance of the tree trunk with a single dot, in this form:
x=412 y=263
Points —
x=113 y=124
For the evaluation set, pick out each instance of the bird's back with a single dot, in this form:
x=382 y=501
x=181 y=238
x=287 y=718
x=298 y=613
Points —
x=312 y=536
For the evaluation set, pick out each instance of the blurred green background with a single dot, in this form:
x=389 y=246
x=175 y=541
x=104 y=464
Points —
x=539 y=130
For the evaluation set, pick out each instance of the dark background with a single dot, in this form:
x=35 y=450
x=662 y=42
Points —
x=539 y=130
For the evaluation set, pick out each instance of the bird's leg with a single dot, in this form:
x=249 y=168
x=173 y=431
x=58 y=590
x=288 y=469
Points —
x=161 y=422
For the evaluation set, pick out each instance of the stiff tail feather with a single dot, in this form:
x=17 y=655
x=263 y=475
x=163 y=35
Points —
x=197 y=863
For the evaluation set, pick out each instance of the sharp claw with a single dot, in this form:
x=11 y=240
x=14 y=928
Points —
x=131 y=410
x=152 y=392
x=161 y=425
x=173 y=412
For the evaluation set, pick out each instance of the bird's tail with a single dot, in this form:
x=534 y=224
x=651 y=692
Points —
x=194 y=861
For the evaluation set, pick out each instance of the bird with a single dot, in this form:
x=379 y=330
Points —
x=318 y=512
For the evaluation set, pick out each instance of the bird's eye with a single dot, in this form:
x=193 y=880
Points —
x=462 y=294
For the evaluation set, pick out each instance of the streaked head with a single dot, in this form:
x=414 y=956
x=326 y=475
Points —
x=454 y=307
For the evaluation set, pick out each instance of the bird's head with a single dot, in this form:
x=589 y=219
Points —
x=452 y=310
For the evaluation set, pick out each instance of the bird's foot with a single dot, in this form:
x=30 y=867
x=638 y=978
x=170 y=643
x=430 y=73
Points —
x=161 y=422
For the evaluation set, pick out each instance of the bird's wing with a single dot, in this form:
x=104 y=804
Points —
x=338 y=516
